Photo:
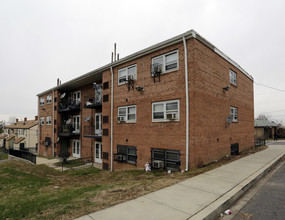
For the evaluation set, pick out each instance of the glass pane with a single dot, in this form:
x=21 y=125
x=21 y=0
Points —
x=158 y=107
x=132 y=151
x=158 y=154
x=172 y=106
x=158 y=115
x=122 y=111
x=132 y=71
x=171 y=57
x=132 y=110
x=158 y=60
x=172 y=155
x=132 y=117
x=122 y=75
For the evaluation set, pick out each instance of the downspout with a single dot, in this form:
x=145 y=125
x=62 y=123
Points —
x=112 y=103
x=53 y=123
x=187 y=103
x=39 y=127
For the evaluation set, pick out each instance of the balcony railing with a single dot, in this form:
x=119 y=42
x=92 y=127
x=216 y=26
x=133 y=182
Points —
x=89 y=131
x=66 y=106
x=68 y=130
x=93 y=101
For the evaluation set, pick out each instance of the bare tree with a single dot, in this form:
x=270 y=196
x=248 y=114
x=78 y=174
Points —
x=263 y=117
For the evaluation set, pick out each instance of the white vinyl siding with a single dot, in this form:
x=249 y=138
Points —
x=127 y=73
x=165 y=111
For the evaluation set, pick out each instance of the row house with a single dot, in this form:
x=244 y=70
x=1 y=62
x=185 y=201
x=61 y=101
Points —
x=21 y=135
x=179 y=104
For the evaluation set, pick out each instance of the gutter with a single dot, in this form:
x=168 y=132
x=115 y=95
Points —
x=53 y=123
x=112 y=106
x=187 y=103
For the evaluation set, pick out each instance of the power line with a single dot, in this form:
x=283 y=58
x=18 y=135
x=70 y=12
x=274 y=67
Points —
x=261 y=84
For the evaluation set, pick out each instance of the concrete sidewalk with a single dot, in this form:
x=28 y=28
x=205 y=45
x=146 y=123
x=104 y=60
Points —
x=201 y=197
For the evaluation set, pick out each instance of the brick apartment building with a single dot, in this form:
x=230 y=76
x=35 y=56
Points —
x=178 y=104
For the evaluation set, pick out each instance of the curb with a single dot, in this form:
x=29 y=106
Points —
x=221 y=204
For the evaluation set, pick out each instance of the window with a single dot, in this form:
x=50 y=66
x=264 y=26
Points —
x=168 y=61
x=22 y=131
x=76 y=148
x=42 y=120
x=76 y=124
x=170 y=158
x=165 y=111
x=48 y=120
x=76 y=97
x=234 y=114
x=49 y=99
x=127 y=73
x=233 y=77
x=19 y=132
x=130 y=152
x=42 y=101
x=127 y=113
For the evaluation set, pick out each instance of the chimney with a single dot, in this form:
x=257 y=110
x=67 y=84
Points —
x=25 y=119
x=17 y=120
x=57 y=82
x=115 y=52
x=118 y=56
x=36 y=118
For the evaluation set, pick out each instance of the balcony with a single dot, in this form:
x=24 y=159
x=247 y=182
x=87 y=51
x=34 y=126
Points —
x=90 y=132
x=66 y=106
x=93 y=101
x=68 y=131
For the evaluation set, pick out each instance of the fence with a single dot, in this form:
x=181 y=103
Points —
x=24 y=155
x=259 y=142
x=72 y=164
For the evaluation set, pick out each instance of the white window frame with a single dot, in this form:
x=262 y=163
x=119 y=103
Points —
x=48 y=120
x=42 y=101
x=77 y=96
x=127 y=73
x=166 y=112
x=42 y=120
x=126 y=113
x=76 y=126
x=233 y=77
x=49 y=99
x=75 y=151
x=234 y=113
x=163 y=57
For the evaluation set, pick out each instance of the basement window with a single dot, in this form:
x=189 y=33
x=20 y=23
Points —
x=168 y=159
x=130 y=153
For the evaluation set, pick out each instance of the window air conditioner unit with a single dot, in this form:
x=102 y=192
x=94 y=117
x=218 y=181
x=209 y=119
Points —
x=157 y=164
x=46 y=143
x=171 y=116
x=131 y=77
x=120 y=157
x=121 y=119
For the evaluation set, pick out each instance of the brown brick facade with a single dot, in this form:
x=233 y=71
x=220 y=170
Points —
x=210 y=137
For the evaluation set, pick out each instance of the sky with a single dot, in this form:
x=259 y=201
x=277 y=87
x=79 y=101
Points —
x=42 y=40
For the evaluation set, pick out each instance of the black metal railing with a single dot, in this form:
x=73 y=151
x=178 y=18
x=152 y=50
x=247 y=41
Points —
x=259 y=142
x=89 y=131
x=68 y=130
x=24 y=155
x=93 y=100
x=71 y=164
x=66 y=106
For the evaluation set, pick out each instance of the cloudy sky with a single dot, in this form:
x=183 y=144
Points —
x=42 y=40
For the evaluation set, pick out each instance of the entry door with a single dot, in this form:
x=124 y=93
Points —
x=98 y=152
x=76 y=148
x=98 y=124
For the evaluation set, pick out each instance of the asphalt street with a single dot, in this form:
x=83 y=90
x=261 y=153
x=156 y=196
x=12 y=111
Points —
x=269 y=201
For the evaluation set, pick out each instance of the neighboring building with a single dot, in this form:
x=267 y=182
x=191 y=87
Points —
x=22 y=135
x=264 y=129
x=135 y=110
